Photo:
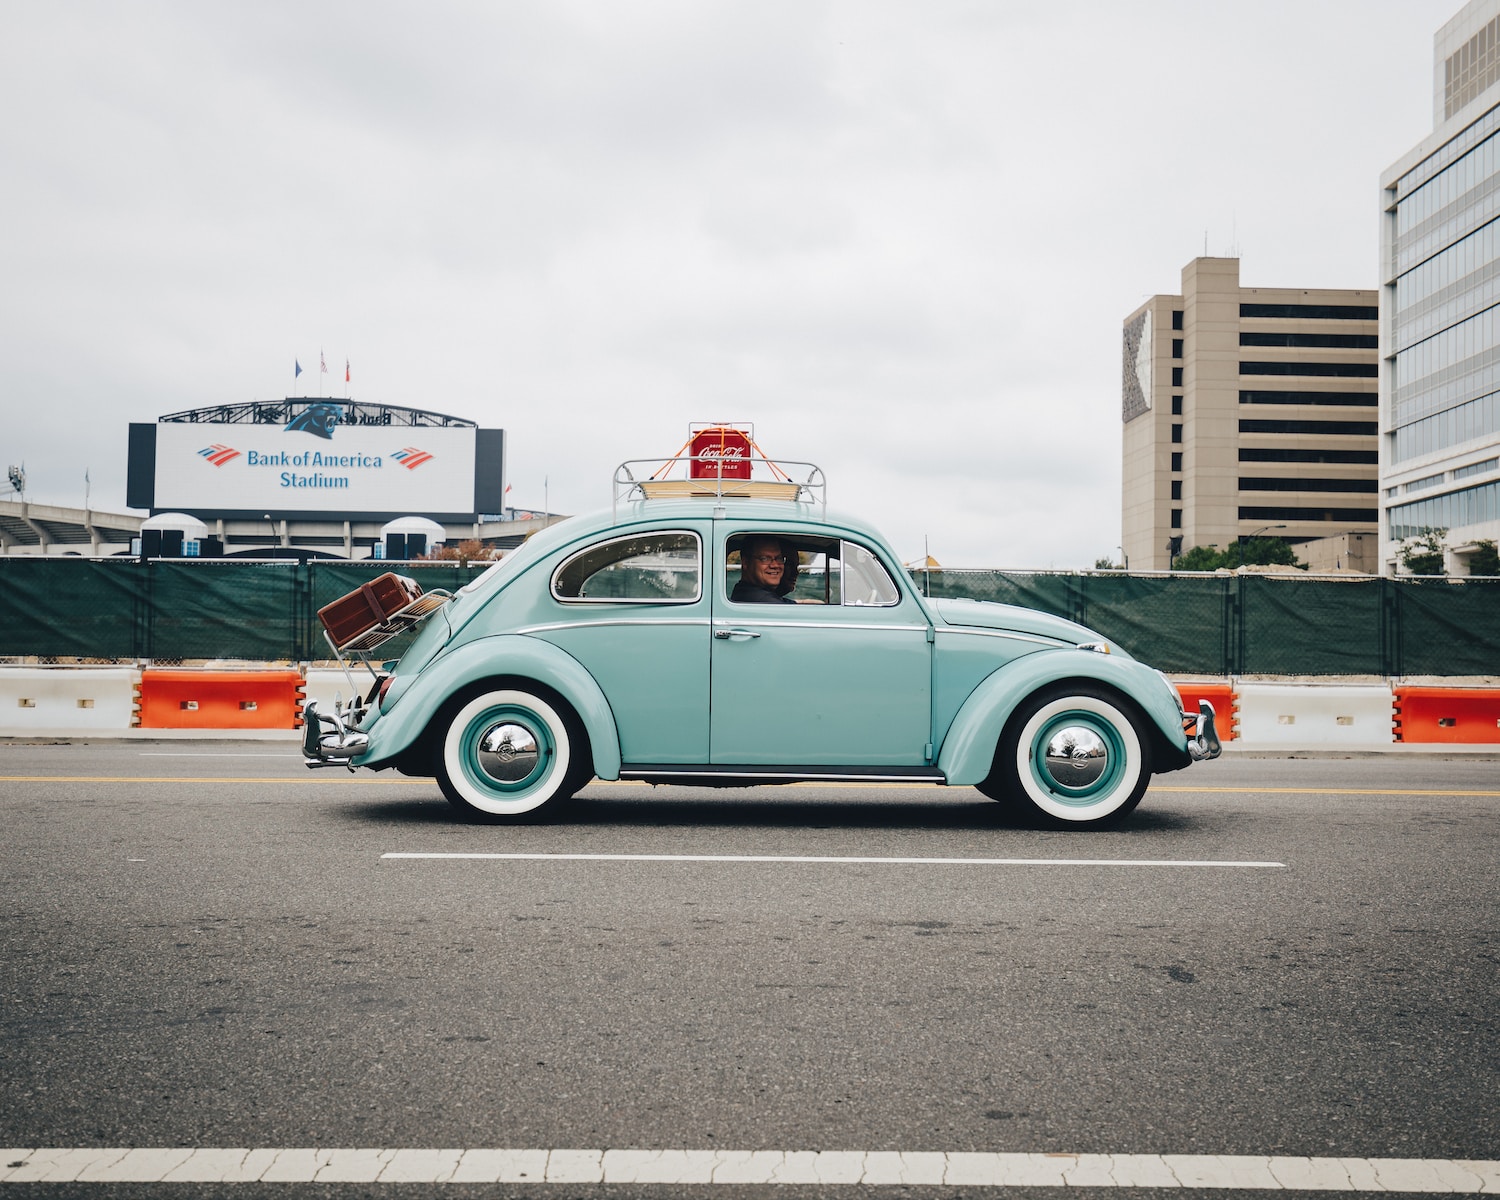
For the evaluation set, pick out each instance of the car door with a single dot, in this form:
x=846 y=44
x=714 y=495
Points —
x=842 y=681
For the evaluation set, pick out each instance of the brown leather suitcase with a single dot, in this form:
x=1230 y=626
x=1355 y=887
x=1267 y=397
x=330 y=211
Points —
x=371 y=606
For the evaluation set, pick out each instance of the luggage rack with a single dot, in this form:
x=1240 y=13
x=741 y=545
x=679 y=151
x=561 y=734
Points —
x=650 y=479
x=379 y=634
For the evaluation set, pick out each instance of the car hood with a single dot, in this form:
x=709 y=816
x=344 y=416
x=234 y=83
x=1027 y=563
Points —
x=986 y=614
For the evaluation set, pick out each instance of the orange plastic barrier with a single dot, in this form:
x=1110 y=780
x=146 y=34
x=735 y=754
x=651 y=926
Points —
x=220 y=699
x=1221 y=696
x=1436 y=714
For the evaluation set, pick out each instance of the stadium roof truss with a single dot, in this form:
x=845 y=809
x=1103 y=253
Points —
x=282 y=411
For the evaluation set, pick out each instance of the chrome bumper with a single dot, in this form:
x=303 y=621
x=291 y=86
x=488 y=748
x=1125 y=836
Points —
x=1203 y=737
x=327 y=739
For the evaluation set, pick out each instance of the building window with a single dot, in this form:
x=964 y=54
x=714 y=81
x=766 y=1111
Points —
x=1177 y=406
x=1177 y=435
x=1176 y=347
x=1339 y=370
x=1261 y=454
x=1478 y=468
x=1176 y=460
x=1280 y=483
x=1350 y=516
x=1176 y=489
x=1313 y=312
x=1177 y=518
x=1368 y=428
x=1177 y=318
x=1313 y=341
x=1455 y=510
x=1176 y=376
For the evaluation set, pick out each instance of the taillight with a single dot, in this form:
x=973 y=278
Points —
x=385 y=686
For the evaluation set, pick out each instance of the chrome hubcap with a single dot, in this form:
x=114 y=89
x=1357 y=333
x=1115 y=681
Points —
x=508 y=752
x=1076 y=757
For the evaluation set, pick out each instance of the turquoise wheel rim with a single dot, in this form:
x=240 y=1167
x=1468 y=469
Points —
x=471 y=754
x=1116 y=765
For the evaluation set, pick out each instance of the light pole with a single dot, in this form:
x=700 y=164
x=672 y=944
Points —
x=1240 y=542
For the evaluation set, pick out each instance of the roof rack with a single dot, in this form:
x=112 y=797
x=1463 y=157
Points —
x=657 y=479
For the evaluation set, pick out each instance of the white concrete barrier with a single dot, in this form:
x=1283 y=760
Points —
x=1314 y=714
x=325 y=683
x=33 y=699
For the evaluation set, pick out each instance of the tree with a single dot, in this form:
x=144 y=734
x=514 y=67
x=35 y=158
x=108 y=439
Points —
x=1262 y=552
x=472 y=550
x=1423 y=554
x=1200 y=558
x=1105 y=564
x=1485 y=560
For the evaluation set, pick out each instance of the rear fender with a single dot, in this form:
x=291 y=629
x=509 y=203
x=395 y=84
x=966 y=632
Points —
x=968 y=750
x=509 y=656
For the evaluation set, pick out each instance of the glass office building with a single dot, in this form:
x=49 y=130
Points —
x=1440 y=306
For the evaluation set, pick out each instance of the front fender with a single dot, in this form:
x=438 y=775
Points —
x=510 y=655
x=968 y=750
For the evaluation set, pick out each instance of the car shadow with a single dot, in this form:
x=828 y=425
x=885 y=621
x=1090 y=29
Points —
x=962 y=809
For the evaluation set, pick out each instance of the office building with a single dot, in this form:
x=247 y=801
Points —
x=1440 y=307
x=1249 y=412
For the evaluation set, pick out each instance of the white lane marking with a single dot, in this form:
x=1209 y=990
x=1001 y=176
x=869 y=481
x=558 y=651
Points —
x=853 y=859
x=798 y=1167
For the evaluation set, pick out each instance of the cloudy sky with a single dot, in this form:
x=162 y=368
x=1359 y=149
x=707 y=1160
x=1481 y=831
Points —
x=900 y=238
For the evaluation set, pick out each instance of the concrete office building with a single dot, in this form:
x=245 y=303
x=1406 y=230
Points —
x=1250 y=411
x=1440 y=306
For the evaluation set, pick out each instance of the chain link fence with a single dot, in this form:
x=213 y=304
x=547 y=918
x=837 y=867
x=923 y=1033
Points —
x=173 y=611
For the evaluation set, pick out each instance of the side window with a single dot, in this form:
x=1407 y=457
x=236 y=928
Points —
x=806 y=570
x=647 y=568
x=866 y=582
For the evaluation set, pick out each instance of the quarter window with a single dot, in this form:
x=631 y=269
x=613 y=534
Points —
x=647 y=568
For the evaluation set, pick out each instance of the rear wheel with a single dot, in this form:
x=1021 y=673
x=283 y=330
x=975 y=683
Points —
x=508 y=752
x=1077 y=757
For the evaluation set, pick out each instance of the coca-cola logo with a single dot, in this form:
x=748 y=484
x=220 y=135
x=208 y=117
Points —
x=722 y=452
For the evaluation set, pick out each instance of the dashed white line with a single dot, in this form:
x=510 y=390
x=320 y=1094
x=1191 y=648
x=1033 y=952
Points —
x=874 y=1168
x=837 y=858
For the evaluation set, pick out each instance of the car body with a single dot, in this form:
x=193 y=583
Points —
x=608 y=646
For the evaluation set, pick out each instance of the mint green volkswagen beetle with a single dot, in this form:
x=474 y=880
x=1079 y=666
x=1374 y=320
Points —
x=613 y=646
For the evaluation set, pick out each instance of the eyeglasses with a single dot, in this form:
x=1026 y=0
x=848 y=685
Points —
x=770 y=558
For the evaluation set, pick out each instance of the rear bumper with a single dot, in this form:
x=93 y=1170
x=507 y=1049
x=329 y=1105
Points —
x=329 y=739
x=1202 y=734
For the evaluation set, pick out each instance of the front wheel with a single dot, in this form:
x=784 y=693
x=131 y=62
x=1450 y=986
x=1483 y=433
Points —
x=507 y=752
x=1075 y=756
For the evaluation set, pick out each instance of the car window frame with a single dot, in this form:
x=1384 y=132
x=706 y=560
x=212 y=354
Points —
x=838 y=540
x=593 y=547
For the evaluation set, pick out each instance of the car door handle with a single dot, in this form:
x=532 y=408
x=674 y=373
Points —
x=726 y=634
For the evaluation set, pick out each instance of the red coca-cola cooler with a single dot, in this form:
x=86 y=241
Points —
x=720 y=452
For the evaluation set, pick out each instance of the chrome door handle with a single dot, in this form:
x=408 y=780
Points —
x=726 y=634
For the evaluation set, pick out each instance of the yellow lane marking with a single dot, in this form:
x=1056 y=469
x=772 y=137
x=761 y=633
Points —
x=346 y=779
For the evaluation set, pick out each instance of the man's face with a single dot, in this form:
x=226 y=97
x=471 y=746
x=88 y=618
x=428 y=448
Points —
x=764 y=563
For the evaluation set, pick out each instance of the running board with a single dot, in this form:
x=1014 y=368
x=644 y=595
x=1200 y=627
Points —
x=712 y=775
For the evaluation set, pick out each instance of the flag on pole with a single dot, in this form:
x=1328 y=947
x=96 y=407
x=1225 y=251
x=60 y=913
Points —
x=346 y=370
x=298 y=371
x=322 y=363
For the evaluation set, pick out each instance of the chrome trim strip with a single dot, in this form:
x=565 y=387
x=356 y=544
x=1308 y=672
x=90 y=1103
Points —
x=706 y=769
x=1040 y=639
x=606 y=623
x=740 y=623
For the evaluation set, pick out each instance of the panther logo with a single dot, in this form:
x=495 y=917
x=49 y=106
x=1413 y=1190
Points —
x=320 y=419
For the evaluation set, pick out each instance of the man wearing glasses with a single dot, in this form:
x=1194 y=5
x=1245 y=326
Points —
x=768 y=571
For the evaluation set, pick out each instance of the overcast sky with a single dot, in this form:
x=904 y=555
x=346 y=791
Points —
x=900 y=238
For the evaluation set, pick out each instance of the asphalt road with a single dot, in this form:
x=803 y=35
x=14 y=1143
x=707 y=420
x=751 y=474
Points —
x=206 y=945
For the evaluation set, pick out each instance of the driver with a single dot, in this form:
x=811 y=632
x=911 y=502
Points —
x=768 y=571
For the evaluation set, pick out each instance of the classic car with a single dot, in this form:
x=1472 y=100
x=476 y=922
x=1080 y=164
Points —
x=611 y=646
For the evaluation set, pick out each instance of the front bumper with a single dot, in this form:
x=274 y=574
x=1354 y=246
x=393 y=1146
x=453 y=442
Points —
x=330 y=739
x=1202 y=735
